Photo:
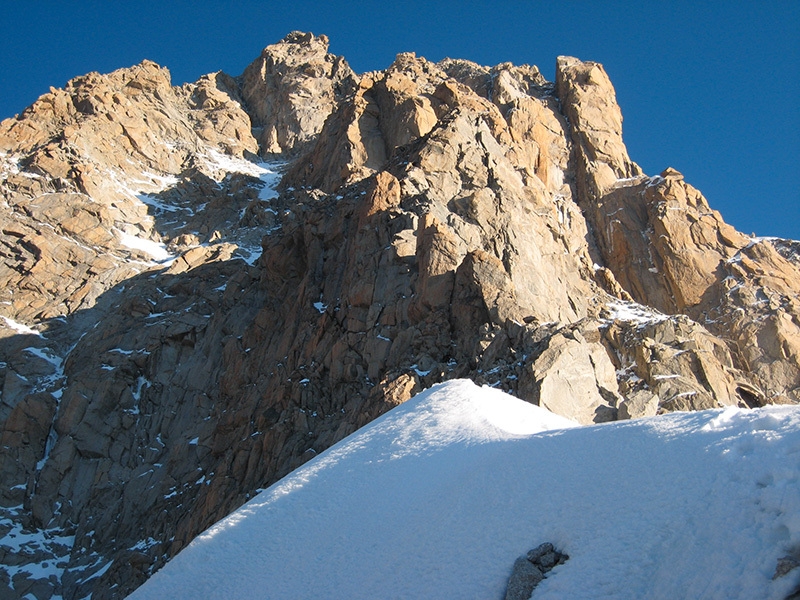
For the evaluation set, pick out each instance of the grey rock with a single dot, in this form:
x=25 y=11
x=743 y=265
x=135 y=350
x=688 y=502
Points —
x=548 y=561
x=529 y=570
x=539 y=551
x=641 y=403
x=785 y=565
x=525 y=576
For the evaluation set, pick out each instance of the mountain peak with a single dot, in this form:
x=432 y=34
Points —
x=305 y=39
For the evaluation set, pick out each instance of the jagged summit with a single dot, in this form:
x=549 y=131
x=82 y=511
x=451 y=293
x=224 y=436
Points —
x=291 y=89
x=206 y=285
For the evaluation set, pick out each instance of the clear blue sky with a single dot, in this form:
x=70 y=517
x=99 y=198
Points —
x=710 y=88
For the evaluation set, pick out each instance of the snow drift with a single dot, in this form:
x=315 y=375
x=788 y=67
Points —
x=437 y=498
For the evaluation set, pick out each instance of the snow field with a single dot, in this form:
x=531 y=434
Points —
x=437 y=498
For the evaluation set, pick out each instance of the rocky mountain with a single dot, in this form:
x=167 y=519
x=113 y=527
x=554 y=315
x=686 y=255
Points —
x=206 y=285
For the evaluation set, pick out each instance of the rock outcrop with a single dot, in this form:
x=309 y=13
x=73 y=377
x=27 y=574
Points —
x=181 y=330
x=291 y=89
x=531 y=569
x=668 y=249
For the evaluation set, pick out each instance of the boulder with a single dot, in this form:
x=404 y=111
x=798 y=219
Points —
x=531 y=569
x=524 y=577
x=574 y=378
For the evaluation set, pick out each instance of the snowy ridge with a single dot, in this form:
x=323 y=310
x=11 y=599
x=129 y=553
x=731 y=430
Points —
x=787 y=248
x=437 y=498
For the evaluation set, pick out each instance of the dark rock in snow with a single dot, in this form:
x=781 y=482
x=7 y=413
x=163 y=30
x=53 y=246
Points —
x=529 y=570
x=524 y=577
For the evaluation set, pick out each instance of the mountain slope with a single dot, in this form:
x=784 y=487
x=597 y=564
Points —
x=438 y=498
x=205 y=286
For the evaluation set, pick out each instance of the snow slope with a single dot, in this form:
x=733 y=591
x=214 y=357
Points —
x=437 y=498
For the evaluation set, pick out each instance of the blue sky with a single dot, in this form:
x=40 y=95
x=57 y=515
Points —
x=709 y=88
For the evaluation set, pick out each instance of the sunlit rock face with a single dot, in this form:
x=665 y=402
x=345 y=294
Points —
x=204 y=286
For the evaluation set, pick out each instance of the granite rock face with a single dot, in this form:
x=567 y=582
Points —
x=183 y=324
x=291 y=89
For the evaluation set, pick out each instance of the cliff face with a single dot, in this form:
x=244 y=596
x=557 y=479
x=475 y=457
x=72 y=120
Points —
x=177 y=334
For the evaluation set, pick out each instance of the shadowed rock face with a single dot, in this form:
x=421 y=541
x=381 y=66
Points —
x=176 y=336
